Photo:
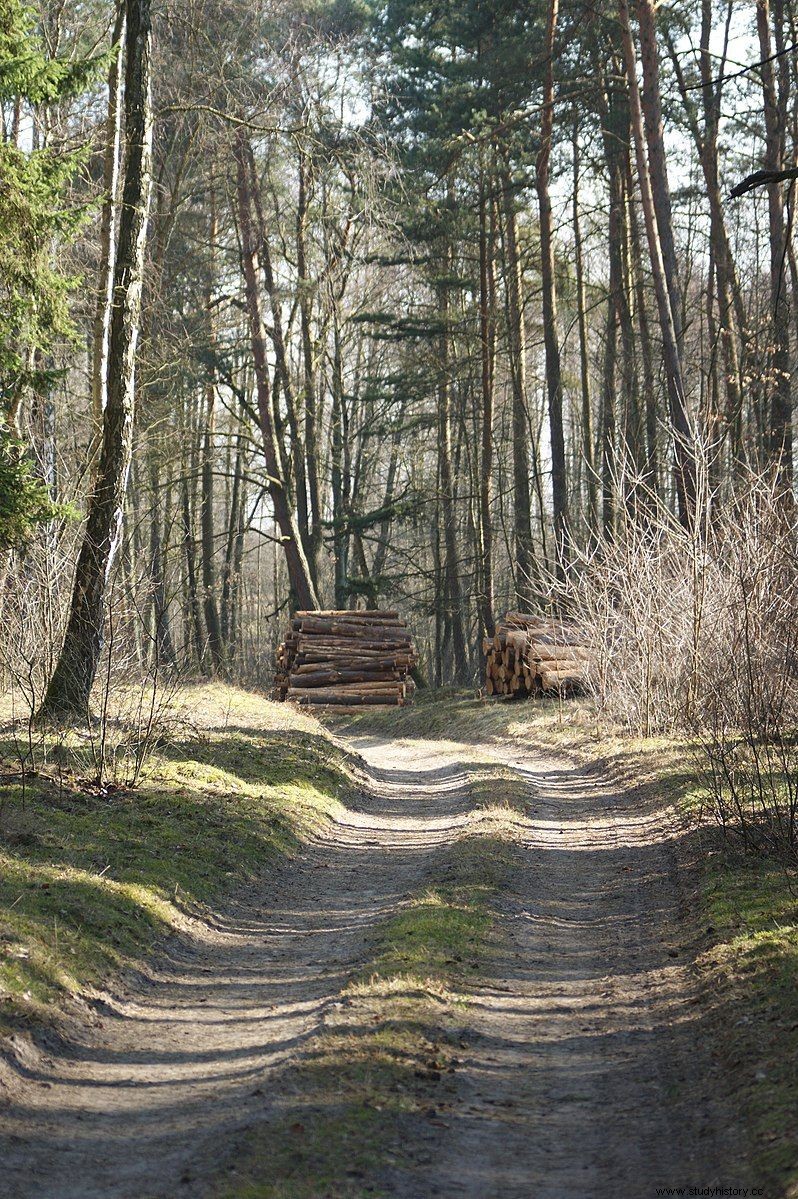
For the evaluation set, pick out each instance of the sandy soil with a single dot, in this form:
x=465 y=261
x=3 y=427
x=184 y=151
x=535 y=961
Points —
x=588 y=1072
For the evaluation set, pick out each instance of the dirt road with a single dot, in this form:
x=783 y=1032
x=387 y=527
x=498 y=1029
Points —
x=588 y=1072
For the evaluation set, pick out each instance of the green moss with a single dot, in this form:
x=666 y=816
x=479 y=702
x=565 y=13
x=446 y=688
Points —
x=88 y=880
x=446 y=932
x=752 y=906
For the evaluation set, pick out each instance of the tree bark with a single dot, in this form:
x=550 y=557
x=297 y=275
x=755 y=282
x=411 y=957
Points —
x=69 y=690
x=559 y=482
x=311 y=447
x=341 y=481
x=162 y=632
x=283 y=372
x=730 y=306
x=587 y=449
x=614 y=114
x=108 y=219
x=487 y=335
x=453 y=599
x=780 y=418
x=651 y=105
x=208 y=539
x=522 y=505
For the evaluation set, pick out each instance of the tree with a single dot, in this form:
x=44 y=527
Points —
x=653 y=183
x=559 y=482
x=298 y=568
x=775 y=103
x=35 y=214
x=69 y=690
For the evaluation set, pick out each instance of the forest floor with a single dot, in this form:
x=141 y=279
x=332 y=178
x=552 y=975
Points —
x=461 y=959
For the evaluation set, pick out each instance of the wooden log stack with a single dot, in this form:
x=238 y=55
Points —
x=346 y=658
x=530 y=655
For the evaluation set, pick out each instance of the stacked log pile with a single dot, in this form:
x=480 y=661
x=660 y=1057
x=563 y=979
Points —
x=532 y=654
x=346 y=658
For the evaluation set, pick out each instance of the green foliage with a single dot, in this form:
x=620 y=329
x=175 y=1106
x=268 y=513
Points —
x=37 y=215
x=24 y=499
x=25 y=71
x=459 y=67
x=36 y=212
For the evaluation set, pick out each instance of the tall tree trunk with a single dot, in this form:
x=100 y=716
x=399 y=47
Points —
x=614 y=112
x=230 y=541
x=208 y=542
x=587 y=449
x=210 y=607
x=70 y=687
x=487 y=336
x=651 y=106
x=453 y=598
x=381 y=552
x=634 y=434
x=644 y=337
x=162 y=632
x=236 y=588
x=522 y=504
x=665 y=290
x=283 y=372
x=108 y=219
x=190 y=556
x=341 y=477
x=780 y=419
x=298 y=569
x=730 y=305
x=311 y=446
x=559 y=482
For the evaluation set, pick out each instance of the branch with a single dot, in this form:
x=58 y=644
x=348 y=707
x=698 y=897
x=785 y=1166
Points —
x=761 y=179
x=754 y=66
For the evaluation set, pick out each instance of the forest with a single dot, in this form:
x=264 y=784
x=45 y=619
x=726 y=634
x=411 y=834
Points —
x=416 y=308
x=444 y=357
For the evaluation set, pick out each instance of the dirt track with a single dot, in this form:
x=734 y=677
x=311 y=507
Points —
x=587 y=1073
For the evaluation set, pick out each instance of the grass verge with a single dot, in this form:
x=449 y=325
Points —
x=91 y=877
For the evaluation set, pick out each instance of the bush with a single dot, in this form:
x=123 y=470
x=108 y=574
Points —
x=697 y=630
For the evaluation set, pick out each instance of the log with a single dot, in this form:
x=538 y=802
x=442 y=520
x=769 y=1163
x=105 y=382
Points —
x=354 y=630
x=346 y=658
x=326 y=699
x=349 y=694
x=539 y=652
x=311 y=640
x=327 y=678
x=551 y=680
x=530 y=653
x=366 y=665
x=374 y=614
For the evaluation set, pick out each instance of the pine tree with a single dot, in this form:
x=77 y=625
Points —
x=35 y=213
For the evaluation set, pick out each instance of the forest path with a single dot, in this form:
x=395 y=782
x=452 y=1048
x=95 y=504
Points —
x=586 y=1073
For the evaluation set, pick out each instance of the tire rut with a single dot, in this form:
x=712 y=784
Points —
x=588 y=1072
x=148 y=1102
